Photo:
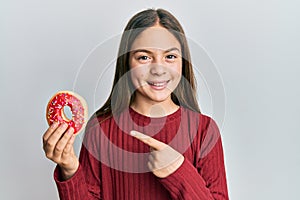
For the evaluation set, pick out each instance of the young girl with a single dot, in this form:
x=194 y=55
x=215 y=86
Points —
x=149 y=140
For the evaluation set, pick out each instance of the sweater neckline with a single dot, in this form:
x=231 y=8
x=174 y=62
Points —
x=138 y=117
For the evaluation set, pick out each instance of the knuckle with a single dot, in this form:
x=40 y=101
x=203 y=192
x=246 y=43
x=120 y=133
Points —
x=58 y=149
x=65 y=152
x=50 y=144
x=48 y=155
x=157 y=158
x=155 y=154
x=149 y=164
x=62 y=141
x=68 y=152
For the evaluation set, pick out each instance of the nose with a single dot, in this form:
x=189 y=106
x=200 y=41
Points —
x=157 y=68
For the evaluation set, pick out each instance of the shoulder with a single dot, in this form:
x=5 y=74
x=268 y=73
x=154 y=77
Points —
x=202 y=120
x=207 y=123
x=96 y=121
x=203 y=129
x=206 y=127
x=95 y=127
x=210 y=135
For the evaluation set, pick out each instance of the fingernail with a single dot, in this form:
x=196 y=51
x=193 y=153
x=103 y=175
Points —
x=132 y=133
x=54 y=124
x=71 y=131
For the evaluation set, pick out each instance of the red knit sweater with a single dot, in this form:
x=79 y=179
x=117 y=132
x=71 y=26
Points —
x=113 y=164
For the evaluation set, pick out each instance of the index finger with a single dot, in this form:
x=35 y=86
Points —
x=49 y=131
x=158 y=145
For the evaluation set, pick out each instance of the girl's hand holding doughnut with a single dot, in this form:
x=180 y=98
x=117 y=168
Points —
x=59 y=138
x=58 y=143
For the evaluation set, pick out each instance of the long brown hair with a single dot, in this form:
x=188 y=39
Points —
x=122 y=94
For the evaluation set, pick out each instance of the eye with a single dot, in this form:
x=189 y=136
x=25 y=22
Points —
x=143 y=58
x=171 y=57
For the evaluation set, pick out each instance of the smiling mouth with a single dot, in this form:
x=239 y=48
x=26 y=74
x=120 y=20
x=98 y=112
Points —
x=158 y=83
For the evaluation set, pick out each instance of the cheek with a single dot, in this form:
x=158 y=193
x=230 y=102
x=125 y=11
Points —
x=138 y=76
x=176 y=71
x=132 y=63
x=133 y=71
x=133 y=77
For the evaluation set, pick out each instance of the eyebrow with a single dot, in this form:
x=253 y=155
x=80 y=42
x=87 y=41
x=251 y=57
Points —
x=147 y=51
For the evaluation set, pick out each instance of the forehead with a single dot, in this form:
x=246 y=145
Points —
x=155 y=37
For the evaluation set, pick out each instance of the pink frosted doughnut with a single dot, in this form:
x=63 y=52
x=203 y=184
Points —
x=77 y=104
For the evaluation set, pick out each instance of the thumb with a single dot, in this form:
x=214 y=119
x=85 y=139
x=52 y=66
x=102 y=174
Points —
x=158 y=145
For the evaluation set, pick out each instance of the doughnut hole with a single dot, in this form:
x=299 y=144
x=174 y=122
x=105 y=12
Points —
x=67 y=113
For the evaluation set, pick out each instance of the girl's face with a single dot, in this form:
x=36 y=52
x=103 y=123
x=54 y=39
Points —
x=156 y=65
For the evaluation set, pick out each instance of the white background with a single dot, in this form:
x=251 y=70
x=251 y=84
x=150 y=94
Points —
x=255 y=45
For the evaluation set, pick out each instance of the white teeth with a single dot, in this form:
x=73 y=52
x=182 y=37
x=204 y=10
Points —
x=157 y=84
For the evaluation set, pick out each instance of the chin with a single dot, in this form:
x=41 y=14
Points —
x=160 y=99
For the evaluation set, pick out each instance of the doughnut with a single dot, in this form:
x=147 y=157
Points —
x=77 y=104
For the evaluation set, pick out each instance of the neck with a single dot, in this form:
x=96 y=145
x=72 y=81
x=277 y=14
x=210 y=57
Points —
x=155 y=109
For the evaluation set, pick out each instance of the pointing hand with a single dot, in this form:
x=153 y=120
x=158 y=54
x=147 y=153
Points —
x=163 y=159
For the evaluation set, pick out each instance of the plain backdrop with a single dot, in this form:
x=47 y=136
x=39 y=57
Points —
x=253 y=44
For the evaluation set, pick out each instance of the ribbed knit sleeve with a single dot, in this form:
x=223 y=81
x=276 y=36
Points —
x=84 y=184
x=206 y=180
